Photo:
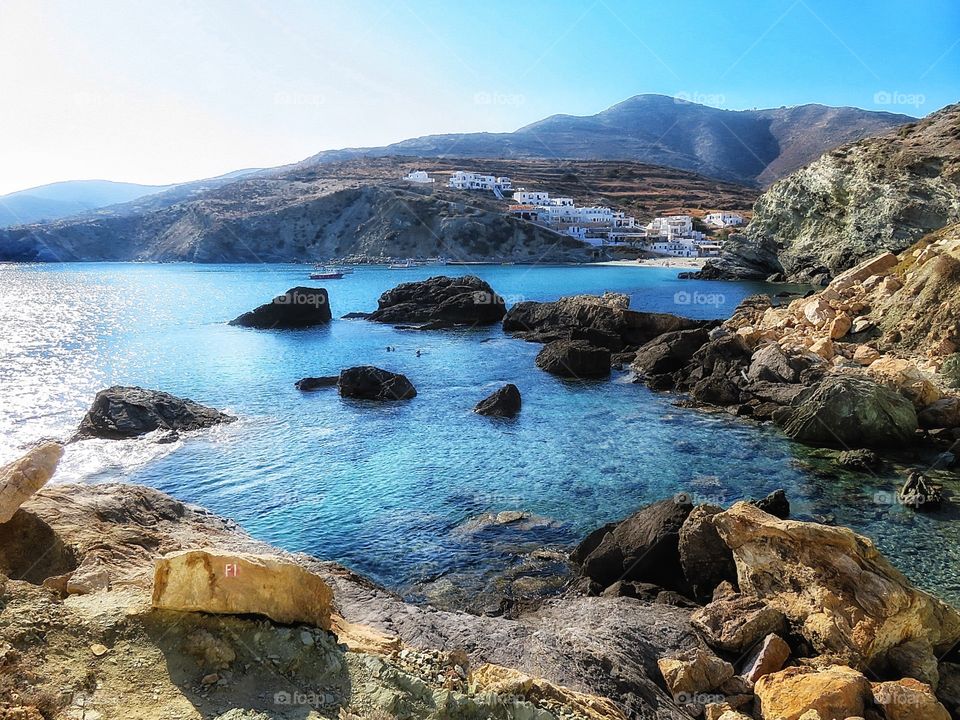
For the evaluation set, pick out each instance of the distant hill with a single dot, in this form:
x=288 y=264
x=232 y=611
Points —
x=754 y=147
x=76 y=197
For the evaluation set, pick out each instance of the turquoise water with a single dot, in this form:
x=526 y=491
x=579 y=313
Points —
x=387 y=489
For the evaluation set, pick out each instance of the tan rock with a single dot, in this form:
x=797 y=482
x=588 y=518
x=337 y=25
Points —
x=90 y=577
x=904 y=376
x=215 y=581
x=509 y=682
x=817 y=311
x=736 y=623
x=824 y=348
x=834 y=586
x=908 y=699
x=868 y=268
x=734 y=715
x=891 y=284
x=840 y=326
x=360 y=638
x=22 y=478
x=835 y=693
x=693 y=672
x=766 y=659
x=865 y=355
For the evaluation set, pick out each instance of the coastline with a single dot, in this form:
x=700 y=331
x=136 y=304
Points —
x=679 y=263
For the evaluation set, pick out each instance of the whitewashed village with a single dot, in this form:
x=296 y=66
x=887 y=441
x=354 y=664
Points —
x=596 y=225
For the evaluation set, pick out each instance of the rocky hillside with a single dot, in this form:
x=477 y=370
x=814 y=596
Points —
x=882 y=193
x=748 y=146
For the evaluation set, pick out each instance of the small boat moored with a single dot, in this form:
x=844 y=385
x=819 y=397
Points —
x=325 y=273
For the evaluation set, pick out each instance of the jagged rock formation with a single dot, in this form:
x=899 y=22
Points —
x=441 y=302
x=367 y=382
x=298 y=307
x=504 y=402
x=881 y=193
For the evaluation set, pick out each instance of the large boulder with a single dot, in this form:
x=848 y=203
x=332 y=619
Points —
x=609 y=314
x=124 y=412
x=367 y=382
x=834 y=587
x=441 y=301
x=705 y=559
x=850 y=411
x=644 y=547
x=298 y=307
x=835 y=693
x=220 y=582
x=944 y=413
x=772 y=364
x=574 y=359
x=908 y=699
x=694 y=672
x=669 y=352
x=505 y=402
x=735 y=623
x=24 y=476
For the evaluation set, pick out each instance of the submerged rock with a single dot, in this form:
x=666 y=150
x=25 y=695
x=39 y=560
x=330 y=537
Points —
x=372 y=383
x=505 y=402
x=125 y=412
x=919 y=493
x=309 y=384
x=299 y=307
x=574 y=359
x=441 y=301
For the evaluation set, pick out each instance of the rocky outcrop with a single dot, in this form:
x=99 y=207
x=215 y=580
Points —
x=669 y=352
x=218 y=582
x=124 y=412
x=24 y=476
x=644 y=547
x=575 y=359
x=299 y=307
x=877 y=194
x=367 y=382
x=834 y=587
x=504 y=402
x=440 y=302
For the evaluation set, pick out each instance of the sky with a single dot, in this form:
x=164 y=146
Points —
x=162 y=92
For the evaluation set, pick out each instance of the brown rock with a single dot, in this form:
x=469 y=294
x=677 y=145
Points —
x=944 y=413
x=904 y=376
x=22 y=478
x=706 y=560
x=833 y=585
x=694 y=672
x=768 y=658
x=219 y=582
x=90 y=577
x=836 y=693
x=908 y=699
x=868 y=268
x=840 y=326
x=737 y=623
x=865 y=355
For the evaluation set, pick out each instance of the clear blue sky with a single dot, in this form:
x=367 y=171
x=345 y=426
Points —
x=167 y=91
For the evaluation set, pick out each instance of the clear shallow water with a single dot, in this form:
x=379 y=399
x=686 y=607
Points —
x=387 y=489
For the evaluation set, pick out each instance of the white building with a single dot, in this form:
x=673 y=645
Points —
x=675 y=248
x=531 y=197
x=723 y=219
x=418 y=176
x=462 y=180
x=671 y=227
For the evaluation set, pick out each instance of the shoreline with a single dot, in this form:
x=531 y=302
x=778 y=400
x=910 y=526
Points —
x=678 y=263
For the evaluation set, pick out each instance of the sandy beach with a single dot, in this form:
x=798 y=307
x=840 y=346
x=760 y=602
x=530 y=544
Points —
x=682 y=263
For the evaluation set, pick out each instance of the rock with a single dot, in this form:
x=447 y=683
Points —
x=908 y=699
x=372 y=383
x=775 y=503
x=694 y=672
x=549 y=321
x=737 y=623
x=125 y=412
x=919 y=493
x=441 y=301
x=574 y=359
x=705 y=559
x=770 y=363
x=90 y=577
x=865 y=355
x=299 y=307
x=862 y=460
x=948 y=688
x=219 y=582
x=644 y=547
x=851 y=412
x=99 y=650
x=309 y=384
x=838 y=592
x=840 y=326
x=835 y=693
x=905 y=377
x=22 y=478
x=875 y=265
x=824 y=348
x=769 y=657
x=943 y=413
x=915 y=659
x=505 y=402
x=669 y=352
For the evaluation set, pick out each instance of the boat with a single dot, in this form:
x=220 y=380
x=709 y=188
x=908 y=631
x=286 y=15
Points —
x=325 y=273
x=405 y=265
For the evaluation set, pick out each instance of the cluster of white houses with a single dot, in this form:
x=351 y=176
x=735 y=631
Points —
x=673 y=235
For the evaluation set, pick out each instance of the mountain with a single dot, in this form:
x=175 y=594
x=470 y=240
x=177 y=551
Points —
x=76 y=197
x=63 y=199
x=877 y=194
x=745 y=146
x=358 y=208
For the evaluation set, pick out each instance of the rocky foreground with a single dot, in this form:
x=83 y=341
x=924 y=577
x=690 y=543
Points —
x=117 y=601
